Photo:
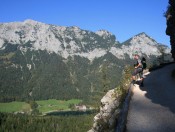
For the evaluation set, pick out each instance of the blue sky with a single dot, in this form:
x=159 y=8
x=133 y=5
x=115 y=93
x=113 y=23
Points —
x=123 y=18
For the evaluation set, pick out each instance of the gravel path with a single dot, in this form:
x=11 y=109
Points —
x=152 y=108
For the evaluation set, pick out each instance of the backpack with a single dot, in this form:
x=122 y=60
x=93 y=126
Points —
x=143 y=61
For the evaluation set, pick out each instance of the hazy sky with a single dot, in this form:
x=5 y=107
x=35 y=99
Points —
x=123 y=18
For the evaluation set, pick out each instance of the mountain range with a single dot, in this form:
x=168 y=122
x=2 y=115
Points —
x=43 y=61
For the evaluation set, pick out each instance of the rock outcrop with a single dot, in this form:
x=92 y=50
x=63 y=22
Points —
x=170 y=16
x=114 y=107
x=105 y=120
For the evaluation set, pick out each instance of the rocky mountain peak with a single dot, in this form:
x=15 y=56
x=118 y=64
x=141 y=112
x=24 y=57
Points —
x=103 y=32
x=142 y=43
x=143 y=38
x=31 y=22
x=70 y=41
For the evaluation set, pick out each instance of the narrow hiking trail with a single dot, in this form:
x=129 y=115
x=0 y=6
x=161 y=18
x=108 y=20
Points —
x=152 y=107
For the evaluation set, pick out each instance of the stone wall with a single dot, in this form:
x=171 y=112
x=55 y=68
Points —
x=170 y=30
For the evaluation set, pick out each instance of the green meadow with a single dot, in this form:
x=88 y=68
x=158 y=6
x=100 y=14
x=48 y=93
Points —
x=14 y=107
x=44 y=106
x=55 y=105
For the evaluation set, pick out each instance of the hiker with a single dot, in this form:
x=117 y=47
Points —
x=138 y=69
